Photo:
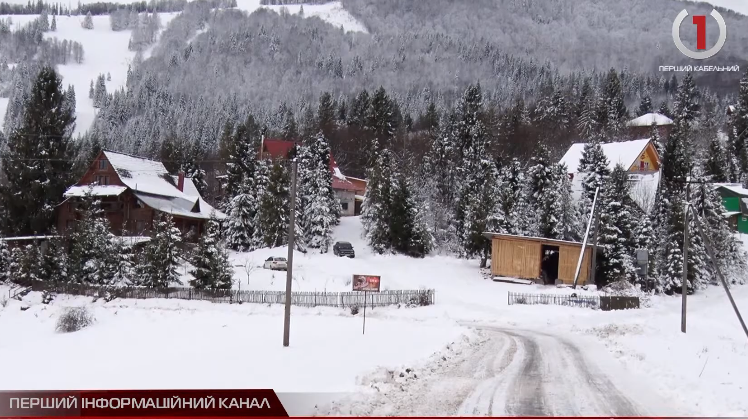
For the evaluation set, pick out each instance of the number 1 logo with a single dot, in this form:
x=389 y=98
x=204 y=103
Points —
x=700 y=22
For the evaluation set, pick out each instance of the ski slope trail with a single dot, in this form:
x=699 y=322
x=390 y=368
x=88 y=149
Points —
x=516 y=372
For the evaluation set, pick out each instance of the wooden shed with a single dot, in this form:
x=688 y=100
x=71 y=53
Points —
x=542 y=260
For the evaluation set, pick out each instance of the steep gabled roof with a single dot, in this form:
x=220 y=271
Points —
x=648 y=119
x=152 y=184
x=624 y=153
x=276 y=148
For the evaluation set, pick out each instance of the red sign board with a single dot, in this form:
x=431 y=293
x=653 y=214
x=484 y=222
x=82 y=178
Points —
x=368 y=283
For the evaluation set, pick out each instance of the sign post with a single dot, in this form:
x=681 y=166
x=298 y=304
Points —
x=366 y=283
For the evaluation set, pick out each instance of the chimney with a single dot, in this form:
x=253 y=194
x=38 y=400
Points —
x=180 y=182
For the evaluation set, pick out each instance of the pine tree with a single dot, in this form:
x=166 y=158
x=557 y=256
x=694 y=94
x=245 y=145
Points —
x=213 y=270
x=43 y=21
x=613 y=108
x=5 y=262
x=25 y=265
x=408 y=232
x=88 y=22
x=316 y=198
x=91 y=91
x=687 y=103
x=645 y=106
x=594 y=167
x=274 y=207
x=243 y=218
x=715 y=164
x=617 y=235
x=665 y=110
x=37 y=159
x=54 y=23
x=91 y=246
x=512 y=199
x=157 y=267
x=375 y=209
x=54 y=262
x=542 y=203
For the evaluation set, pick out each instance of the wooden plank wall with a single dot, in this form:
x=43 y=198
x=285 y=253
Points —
x=567 y=264
x=515 y=258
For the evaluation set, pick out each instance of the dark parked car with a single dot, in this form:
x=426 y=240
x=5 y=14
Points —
x=343 y=249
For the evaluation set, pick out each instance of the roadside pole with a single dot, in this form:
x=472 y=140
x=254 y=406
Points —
x=291 y=244
x=684 y=279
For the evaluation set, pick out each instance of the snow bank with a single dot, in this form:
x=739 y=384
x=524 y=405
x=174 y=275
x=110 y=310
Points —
x=189 y=344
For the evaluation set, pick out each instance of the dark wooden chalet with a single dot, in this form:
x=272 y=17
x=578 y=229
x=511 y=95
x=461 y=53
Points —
x=132 y=190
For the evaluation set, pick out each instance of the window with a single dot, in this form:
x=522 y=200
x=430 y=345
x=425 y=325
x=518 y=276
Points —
x=102 y=164
x=102 y=180
x=344 y=205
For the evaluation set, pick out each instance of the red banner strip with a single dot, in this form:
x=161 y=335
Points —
x=142 y=403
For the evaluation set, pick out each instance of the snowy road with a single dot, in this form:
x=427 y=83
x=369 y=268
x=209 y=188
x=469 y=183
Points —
x=515 y=372
x=536 y=374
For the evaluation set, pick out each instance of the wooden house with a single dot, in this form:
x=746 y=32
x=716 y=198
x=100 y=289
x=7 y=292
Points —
x=132 y=190
x=544 y=261
x=639 y=157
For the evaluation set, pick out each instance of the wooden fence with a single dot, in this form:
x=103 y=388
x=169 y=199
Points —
x=303 y=299
x=605 y=303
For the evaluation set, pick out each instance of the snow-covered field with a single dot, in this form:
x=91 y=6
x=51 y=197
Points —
x=188 y=344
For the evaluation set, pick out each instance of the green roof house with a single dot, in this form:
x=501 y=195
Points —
x=735 y=199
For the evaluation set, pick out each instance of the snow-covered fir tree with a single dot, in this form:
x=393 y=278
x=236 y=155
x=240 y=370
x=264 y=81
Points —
x=25 y=265
x=617 y=235
x=375 y=209
x=91 y=260
x=244 y=210
x=594 y=168
x=715 y=164
x=645 y=106
x=512 y=199
x=100 y=94
x=54 y=261
x=53 y=27
x=315 y=195
x=5 y=262
x=213 y=269
x=612 y=108
x=43 y=21
x=731 y=259
x=91 y=90
x=274 y=207
x=408 y=231
x=37 y=158
x=87 y=22
x=158 y=263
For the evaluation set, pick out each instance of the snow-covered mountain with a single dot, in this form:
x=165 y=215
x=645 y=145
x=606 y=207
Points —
x=106 y=51
x=738 y=6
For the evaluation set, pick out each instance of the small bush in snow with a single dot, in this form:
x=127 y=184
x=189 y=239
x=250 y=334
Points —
x=354 y=309
x=47 y=297
x=3 y=301
x=74 y=319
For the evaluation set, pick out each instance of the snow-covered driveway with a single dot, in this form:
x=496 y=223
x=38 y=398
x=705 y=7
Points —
x=514 y=372
x=528 y=373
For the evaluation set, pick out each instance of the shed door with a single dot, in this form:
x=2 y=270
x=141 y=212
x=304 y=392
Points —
x=567 y=266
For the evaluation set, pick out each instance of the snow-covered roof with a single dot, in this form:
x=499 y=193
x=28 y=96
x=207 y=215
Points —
x=337 y=173
x=625 y=153
x=94 y=190
x=143 y=175
x=735 y=188
x=490 y=234
x=197 y=209
x=731 y=214
x=359 y=197
x=648 y=119
x=153 y=184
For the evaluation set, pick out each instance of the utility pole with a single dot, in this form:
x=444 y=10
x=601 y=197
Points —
x=713 y=259
x=291 y=244
x=584 y=242
x=684 y=279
